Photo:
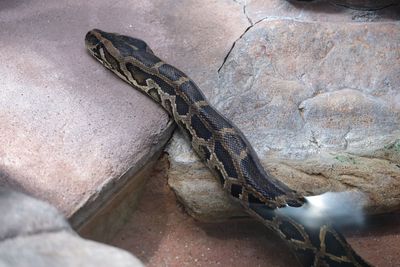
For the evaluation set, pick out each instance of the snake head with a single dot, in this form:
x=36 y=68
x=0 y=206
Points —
x=111 y=48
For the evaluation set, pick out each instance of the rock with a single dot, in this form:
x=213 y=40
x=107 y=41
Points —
x=62 y=249
x=24 y=216
x=32 y=231
x=319 y=102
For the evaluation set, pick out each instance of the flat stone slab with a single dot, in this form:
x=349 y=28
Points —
x=319 y=102
x=33 y=232
x=73 y=132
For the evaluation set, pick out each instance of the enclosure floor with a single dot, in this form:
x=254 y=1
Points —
x=160 y=233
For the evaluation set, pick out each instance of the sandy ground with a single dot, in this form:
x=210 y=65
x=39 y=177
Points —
x=160 y=233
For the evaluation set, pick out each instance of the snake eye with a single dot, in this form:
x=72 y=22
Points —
x=91 y=40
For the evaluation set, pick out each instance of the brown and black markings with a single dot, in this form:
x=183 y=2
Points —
x=223 y=148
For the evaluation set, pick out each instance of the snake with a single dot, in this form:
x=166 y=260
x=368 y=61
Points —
x=223 y=148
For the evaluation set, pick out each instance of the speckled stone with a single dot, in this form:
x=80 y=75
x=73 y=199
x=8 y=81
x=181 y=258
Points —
x=319 y=102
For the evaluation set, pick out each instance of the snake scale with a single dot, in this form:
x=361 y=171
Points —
x=223 y=148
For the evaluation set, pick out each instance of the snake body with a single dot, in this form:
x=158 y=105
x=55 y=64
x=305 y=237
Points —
x=223 y=148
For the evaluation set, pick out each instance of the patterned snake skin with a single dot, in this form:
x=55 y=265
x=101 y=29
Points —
x=223 y=148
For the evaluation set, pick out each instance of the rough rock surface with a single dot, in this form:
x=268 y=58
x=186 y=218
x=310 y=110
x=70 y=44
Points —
x=319 y=102
x=33 y=232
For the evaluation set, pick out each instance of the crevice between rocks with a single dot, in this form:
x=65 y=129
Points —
x=240 y=37
x=244 y=6
x=247 y=16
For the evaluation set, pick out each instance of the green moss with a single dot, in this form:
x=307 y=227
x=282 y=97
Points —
x=346 y=159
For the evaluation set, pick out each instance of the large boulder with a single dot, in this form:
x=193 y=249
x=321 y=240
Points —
x=319 y=102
